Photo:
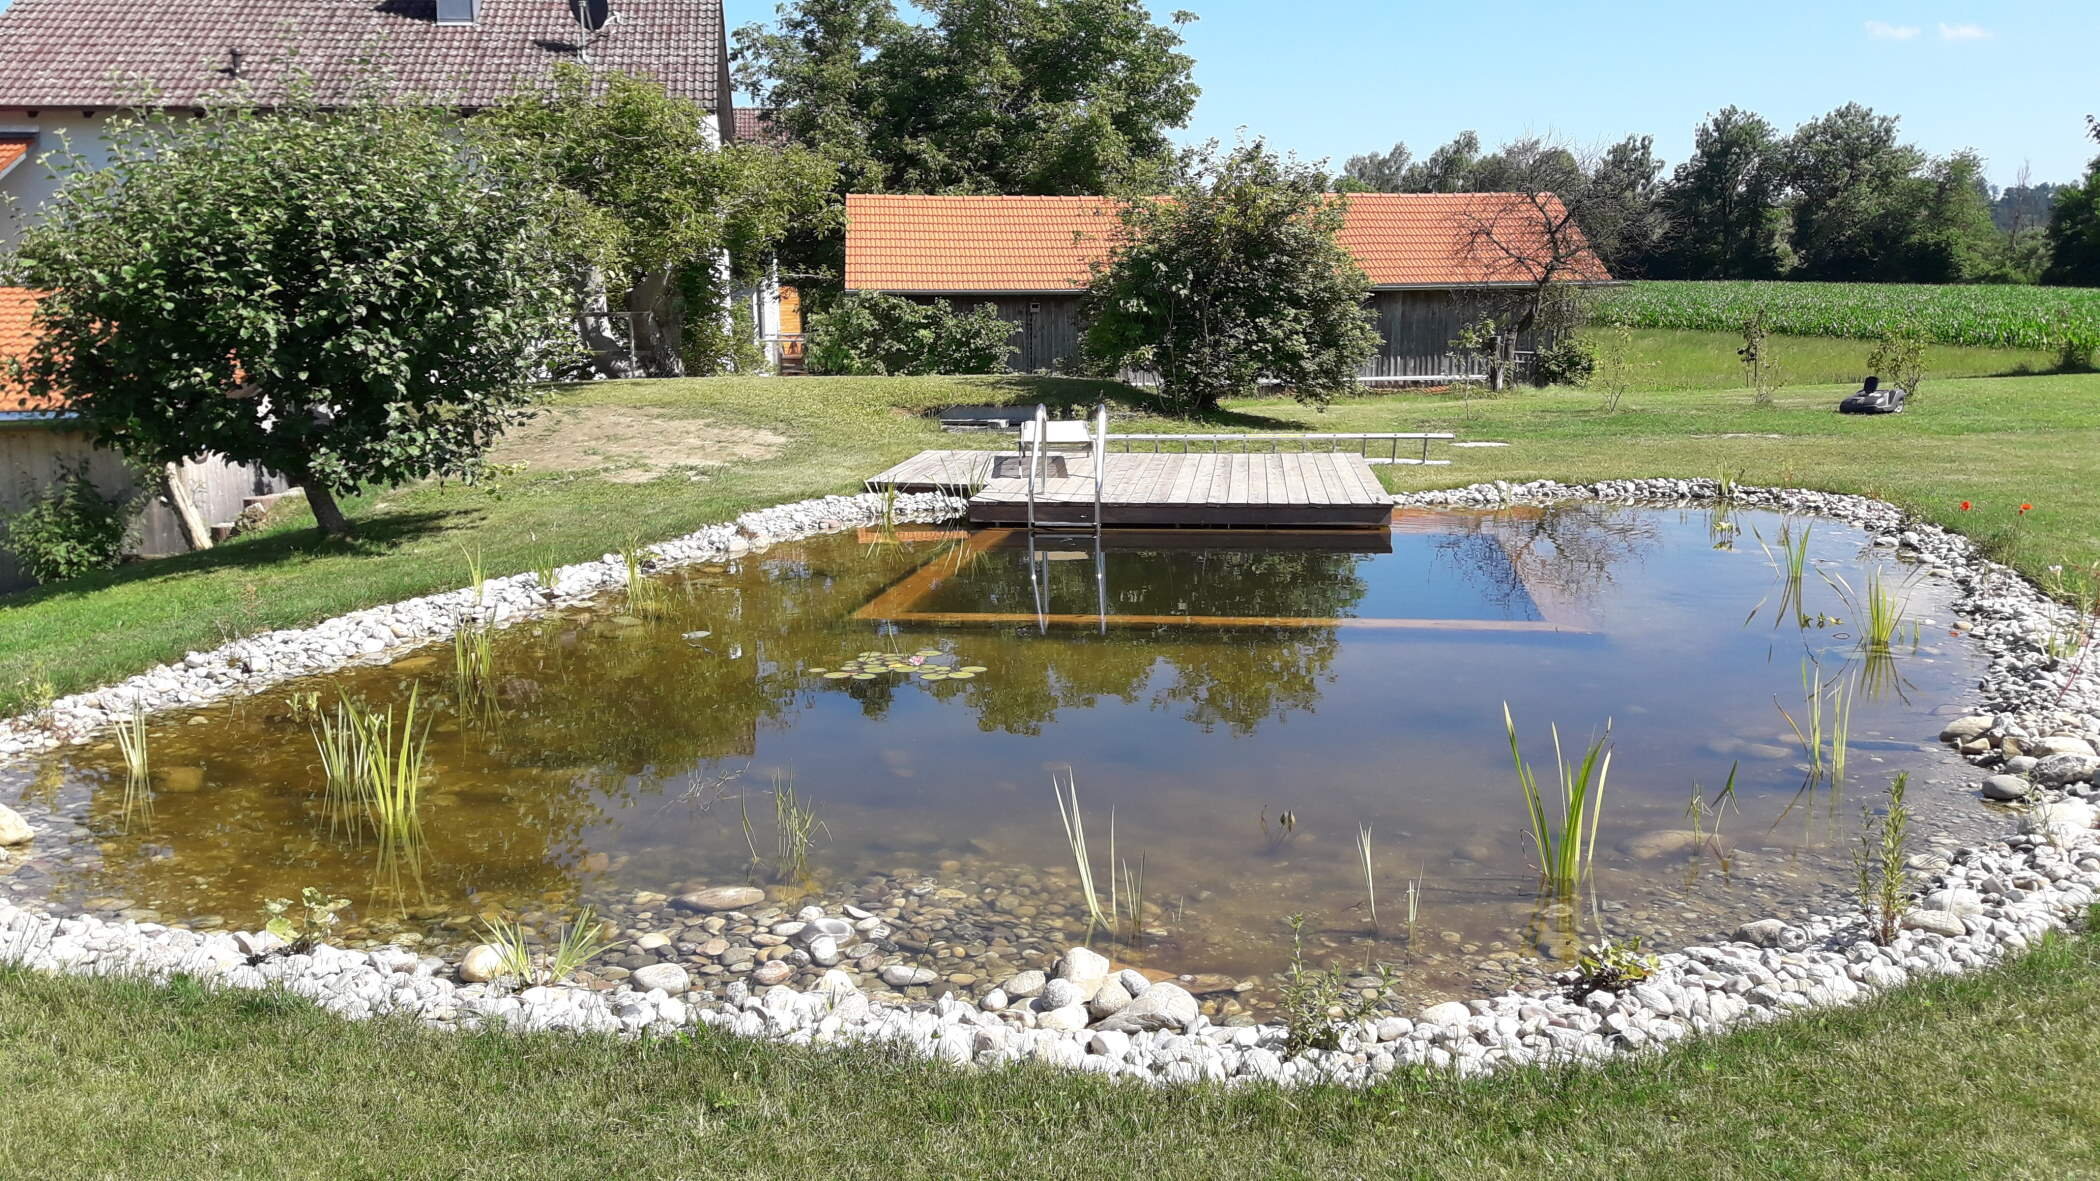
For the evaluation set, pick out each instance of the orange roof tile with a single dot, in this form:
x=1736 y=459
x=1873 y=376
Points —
x=13 y=148
x=17 y=331
x=1046 y=244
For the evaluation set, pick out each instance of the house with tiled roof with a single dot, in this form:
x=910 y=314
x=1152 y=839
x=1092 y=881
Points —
x=1030 y=257
x=67 y=65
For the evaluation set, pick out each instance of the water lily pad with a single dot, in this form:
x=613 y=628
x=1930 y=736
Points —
x=927 y=652
x=863 y=676
x=838 y=674
x=960 y=675
x=934 y=676
x=972 y=669
x=818 y=672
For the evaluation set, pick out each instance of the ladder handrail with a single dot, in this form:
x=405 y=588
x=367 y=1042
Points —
x=1100 y=450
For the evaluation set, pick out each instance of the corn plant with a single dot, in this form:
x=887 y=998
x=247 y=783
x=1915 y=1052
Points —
x=1566 y=844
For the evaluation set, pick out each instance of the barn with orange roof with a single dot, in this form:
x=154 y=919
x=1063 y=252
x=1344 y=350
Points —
x=1031 y=257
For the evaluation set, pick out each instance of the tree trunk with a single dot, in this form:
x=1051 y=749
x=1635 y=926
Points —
x=194 y=529
x=609 y=354
x=658 y=320
x=327 y=514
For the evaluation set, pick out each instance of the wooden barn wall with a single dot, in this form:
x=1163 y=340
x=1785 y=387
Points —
x=1046 y=327
x=31 y=455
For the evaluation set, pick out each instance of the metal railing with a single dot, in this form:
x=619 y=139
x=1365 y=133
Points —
x=1033 y=449
x=1365 y=443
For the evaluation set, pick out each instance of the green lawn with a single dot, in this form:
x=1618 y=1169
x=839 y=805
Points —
x=1988 y=1075
x=1998 y=442
x=1688 y=360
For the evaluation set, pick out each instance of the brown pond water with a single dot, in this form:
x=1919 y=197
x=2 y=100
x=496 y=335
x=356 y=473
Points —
x=1345 y=679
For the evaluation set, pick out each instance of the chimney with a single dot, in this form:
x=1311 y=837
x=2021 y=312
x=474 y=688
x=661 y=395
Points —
x=458 y=12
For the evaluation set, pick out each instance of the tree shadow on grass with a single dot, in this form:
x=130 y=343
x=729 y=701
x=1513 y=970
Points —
x=374 y=536
x=1071 y=397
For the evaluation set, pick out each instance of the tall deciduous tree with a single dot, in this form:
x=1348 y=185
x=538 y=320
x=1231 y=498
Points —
x=339 y=296
x=661 y=219
x=1846 y=172
x=986 y=96
x=1234 y=280
x=1726 y=198
x=2074 y=228
x=1376 y=172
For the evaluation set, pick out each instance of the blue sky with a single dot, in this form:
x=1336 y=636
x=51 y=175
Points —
x=2013 y=79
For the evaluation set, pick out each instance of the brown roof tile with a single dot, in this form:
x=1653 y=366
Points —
x=95 y=53
x=922 y=243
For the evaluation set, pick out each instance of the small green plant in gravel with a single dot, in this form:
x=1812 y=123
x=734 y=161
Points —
x=1317 y=1003
x=303 y=923
x=1610 y=966
x=1884 y=882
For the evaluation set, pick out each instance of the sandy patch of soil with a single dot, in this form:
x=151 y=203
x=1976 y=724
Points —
x=629 y=444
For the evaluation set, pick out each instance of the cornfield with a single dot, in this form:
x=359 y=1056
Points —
x=1987 y=316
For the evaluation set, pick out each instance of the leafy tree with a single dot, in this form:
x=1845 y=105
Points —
x=1621 y=207
x=1847 y=172
x=1725 y=201
x=871 y=334
x=1376 y=172
x=2074 y=228
x=1449 y=169
x=660 y=218
x=987 y=96
x=1235 y=280
x=1948 y=235
x=339 y=296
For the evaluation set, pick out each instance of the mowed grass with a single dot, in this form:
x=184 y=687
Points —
x=1676 y=359
x=1987 y=1075
x=1996 y=442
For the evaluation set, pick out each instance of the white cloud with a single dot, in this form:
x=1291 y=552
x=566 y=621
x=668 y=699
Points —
x=1884 y=31
x=1963 y=32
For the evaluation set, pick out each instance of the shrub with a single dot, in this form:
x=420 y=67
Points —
x=72 y=529
x=1571 y=360
x=873 y=335
x=1899 y=359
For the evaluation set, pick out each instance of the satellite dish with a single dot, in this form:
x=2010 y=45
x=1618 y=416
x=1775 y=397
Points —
x=593 y=15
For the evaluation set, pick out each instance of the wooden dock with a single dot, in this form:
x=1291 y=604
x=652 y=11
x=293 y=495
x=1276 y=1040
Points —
x=1303 y=490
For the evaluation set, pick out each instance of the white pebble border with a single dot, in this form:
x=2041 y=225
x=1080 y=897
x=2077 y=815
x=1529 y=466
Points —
x=1988 y=902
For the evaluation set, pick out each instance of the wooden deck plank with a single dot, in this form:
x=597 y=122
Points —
x=1258 y=481
x=1236 y=491
x=1293 y=481
x=1316 y=490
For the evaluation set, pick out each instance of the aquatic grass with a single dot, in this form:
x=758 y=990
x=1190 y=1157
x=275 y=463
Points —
x=393 y=778
x=512 y=946
x=582 y=940
x=130 y=731
x=1067 y=795
x=1699 y=810
x=546 y=570
x=1792 y=563
x=339 y=741
x=473 y=665
x=794 y=829
x=1566 y=845
x=1824 y=728
x=1132 y=894
x=1414 y=905
x=644 y=596
x=477 y=573
x=1363 y=855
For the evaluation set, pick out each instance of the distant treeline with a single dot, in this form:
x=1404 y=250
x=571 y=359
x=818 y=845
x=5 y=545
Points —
x=1840 y=199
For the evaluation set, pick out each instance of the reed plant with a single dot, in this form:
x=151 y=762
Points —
x=1414 y=905
x=1566 y=843
x=130 y=731
x=477 y=573
x=339 y=740
x=578 y=942
x=393 y=785
x=794 y=832
x=644 y=597
x=1824 y=728
x=1067 y=795
x=1363 y=855
x=1699 y=811
x=547 y=570
x=1132 y=896
x=1791 y=560
x=474 y=667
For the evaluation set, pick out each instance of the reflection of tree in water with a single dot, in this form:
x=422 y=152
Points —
x=1567 y=553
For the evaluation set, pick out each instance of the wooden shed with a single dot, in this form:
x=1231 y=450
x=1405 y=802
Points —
x=1030 y=257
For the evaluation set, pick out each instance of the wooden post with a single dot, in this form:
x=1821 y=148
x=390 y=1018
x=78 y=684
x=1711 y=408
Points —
x=194 y=529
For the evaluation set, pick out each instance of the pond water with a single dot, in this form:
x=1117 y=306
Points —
x=918 y=691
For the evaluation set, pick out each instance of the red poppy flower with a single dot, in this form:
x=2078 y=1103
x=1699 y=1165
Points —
x=2025 y=508
x=1965 y=506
